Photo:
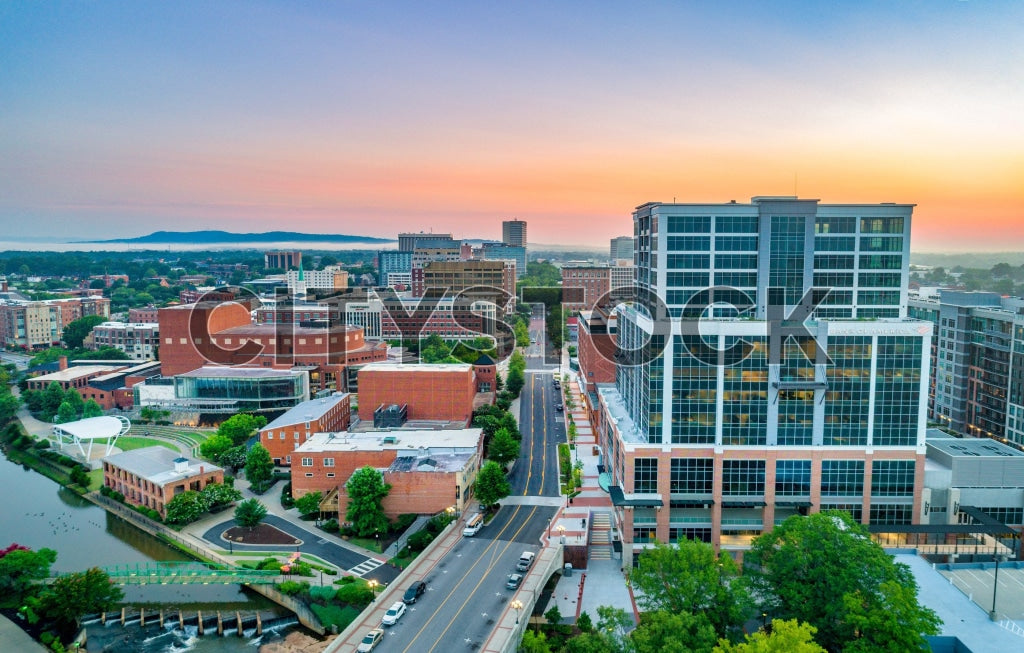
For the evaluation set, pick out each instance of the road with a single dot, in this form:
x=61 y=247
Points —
x=20 y=360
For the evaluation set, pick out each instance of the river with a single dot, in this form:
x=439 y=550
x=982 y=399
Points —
x=37 y=512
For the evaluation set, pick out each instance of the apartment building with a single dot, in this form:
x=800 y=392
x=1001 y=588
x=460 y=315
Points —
x=139 y=340
x=513 y=233
x=718 y=425
x=321 y=415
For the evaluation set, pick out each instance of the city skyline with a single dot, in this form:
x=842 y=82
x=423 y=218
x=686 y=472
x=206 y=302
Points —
x=123 y=119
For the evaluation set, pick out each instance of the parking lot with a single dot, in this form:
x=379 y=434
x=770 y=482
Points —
x=976 y=582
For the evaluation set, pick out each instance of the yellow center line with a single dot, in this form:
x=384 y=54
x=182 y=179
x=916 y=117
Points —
x=482 y=578
x=529 y=468
x=544 y=440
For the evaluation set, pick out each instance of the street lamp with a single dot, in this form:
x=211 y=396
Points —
x=373 y=588
x=764 y=621
x=517 y=605
x=561 y=531
x=995 y=586
x=450 y=511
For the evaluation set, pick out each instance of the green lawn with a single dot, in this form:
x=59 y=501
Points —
x=127 y=443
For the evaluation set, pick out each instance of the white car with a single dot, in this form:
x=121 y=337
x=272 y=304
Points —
x=371 y=641
x=393 y=614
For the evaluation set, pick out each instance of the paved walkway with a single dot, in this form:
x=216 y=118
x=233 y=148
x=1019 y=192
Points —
x=13 y=638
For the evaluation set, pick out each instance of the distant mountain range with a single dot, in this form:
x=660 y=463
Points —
x=199 y=237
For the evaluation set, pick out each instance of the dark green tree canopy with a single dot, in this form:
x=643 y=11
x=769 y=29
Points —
x=503 y=448
x=491 y=484
x=76 y=330
x=249 y=513
x=259 y=468
x=366 y=491
x=239 y=427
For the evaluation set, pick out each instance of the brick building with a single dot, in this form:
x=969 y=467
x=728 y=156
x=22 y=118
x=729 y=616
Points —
x=150 y=314
x=139 y=340
x=152 y=476
x=321 y=415
x=443 y=392
x=429 y=470
x=595 y=348
x=282 y=260
x=109 y=384
x=39 y=324
x=584 y=285
x=457 y=276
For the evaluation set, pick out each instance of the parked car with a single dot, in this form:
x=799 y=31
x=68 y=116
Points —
x=370 y=641
x=393 y=614
x=513 y=581
x=558 y=407
x=414 y=592
x=525 y=560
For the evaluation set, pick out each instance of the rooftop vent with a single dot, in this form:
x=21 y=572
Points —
x=181 y=465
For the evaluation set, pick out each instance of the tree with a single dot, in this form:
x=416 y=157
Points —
x=516 y=374
x=233 y=457
x=215 y=446
x=218 y=494
x=309 y=503
x=830 y=555
x=239 y=427
x=249 y=513
x=890 y=621
x=66 y=413
x=504 y=448
x=9 y=405
x=53 y=397
x=20 y=568
x=688 y=577
x=553 y=615
x=76 y=330
x=186 y=507
x=596 y=642
x=662 y=630
x=491 y=484
x=584 y=623
x=73 y=595
x=259 y=468
x=77 y=403
x=366 y=491
x=535 y=643
x=91 y=409
x=787 y=636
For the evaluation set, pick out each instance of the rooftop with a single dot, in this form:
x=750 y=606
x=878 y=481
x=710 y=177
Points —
x=290 y=330
x=213 y=372
x=72 y=373
x=93 y=428
x=308 y=410
x=422 y=367
x=414 y=442
x=973 y=447
x=156 y=464
x=435 y=462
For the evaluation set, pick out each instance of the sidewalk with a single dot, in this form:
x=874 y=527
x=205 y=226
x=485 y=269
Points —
x=13 y=638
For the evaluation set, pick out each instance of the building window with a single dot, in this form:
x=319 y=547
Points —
x=792 y=478
x=328 y=462
x=856 y=510
x=309 y=475
x=645 y=475
x=643 y=535
x=296 y=435
x=892 y=478
x=743 y=477
x=891 y=513
x=692 y=476
x=330 y=474
x=842 y=477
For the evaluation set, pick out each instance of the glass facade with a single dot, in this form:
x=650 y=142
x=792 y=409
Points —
x=240 y=393
x=743 y=477
x=897 y=391
x=694 y=394
x=792 y=478
x=745 y=400
x=692 y=476
x=786 y=251
x=842 y=478
x=645 y=475
x=848 y=398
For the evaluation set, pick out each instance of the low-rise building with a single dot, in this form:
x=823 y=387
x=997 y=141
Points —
x=431 y=391
x=152 y=476
x=429 y=469
x=298 y=424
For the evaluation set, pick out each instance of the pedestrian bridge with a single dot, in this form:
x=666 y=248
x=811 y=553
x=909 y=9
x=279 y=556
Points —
x=188 y=573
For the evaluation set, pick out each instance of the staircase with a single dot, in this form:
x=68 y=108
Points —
x=600 y=536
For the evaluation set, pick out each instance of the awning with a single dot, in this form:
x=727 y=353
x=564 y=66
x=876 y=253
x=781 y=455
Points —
x=793 y=504
x=800 y=385
x=743 y=504
x=619 y=499
x=604 y=480
x=692 y=503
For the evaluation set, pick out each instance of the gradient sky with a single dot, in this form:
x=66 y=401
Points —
x=121 y=118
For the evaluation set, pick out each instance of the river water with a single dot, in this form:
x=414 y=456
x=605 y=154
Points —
x=37 y=512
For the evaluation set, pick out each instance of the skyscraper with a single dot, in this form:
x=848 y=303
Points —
x=622 y=248
x=746 y=397
x=513 y=233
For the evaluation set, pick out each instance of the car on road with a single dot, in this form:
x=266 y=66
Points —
x=393 y=614
x=525 y=560
x=414 y=592
x=559 y=407
x=370 y=641
x=513 y=581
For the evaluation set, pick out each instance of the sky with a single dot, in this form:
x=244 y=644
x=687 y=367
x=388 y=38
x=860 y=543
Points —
x=123 y=118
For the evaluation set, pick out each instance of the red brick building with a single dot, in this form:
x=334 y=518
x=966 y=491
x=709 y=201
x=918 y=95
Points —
x=152 y=476
x=429 y=470
x=584 y=286
x=595 y=348
x=443 y=392
x=322 y=415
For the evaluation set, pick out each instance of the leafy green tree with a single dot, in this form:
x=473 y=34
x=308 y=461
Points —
x=516 y=374
x=249 y=513
x=491 y=484
x=503 y=448
x=215 y=446
x=76 y=330
x=21 y=568
x=77 y=403
x=66 y=413
x=890 y=620
x=535 y=643
x=616 y=623
x=241 y=426
x=91 y=409
x=662 y=630
x=186 y=507
x=584 y=622
x=9 y=405
x=71 y=596
x=828 y=555
x=259 y=468
x=491 y=418
x=219 y=494
x=522 y=333
x=366 y=491
x=435 y=350
x=309 y=503
x=787 y=636
x=553 y=615
x=688 y=577
x=234 y=457
x=53 y=397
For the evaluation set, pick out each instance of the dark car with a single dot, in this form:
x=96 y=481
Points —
x=513 y=581
x=414 y=592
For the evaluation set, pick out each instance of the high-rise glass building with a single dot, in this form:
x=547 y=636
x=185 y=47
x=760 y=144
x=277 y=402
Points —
x=777 y=374
x=513 y=233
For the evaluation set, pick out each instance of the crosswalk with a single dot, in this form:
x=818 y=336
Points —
x=365 y=567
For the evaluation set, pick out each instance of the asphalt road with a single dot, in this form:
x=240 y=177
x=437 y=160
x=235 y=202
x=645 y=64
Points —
x=536 y=472
x=466 y=591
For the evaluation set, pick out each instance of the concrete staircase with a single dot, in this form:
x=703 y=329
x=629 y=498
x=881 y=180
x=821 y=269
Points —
x=600 y=536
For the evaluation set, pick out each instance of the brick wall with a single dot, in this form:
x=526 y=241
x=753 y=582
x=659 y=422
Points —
x=430 y=396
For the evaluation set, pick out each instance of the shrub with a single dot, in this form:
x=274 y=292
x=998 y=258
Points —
x=104 y=490
x=334 y=615
x=355 y=594
x=403 y=522
x=346 y=580
x=331 y=525
x=269 y=564
x=404 y=553
x=292 y=587
x=286 y=495
x=420 y=539
x=320 y=593
x=41 y=444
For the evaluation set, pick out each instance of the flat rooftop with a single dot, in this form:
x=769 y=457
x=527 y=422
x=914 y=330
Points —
x=972 y=447
x=156 y=464
x=440 y=462
x=422 y=367
x=283 y=330
x=237 y=372
x=415 y=442
x=308 y=410
x=78 y=371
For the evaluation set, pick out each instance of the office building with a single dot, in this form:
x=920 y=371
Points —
x=501 y=251
x=391 y=262
x=150 y=477
x=408 y=242
x=513 y=233
x=622 y=248
x=719 y=428
x=454 y=277
x=282 y=260
x=321 y=415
